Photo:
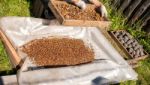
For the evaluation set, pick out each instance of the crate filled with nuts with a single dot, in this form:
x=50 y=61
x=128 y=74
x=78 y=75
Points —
x=129 y=45
x=74 y=16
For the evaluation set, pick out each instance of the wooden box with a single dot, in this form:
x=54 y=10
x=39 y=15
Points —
x=73 y=22
x=130 y=59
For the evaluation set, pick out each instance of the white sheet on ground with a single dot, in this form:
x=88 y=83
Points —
x=109 y=65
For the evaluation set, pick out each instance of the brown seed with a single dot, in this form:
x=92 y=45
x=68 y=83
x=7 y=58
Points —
x=129 y=41
x=58 y=51
x=69 y=11
x=126 y=38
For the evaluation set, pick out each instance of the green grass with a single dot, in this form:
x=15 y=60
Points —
x=14 y=8
x=4 y=61
x=118 y=22
x=11 y=8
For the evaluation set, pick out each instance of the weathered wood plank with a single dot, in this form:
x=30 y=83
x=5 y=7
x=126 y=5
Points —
x=118 y=3
x=41 y=9
x=129 y=10
x=38 y=7
x=140 y=11
x=124 y=5
x=145 y=17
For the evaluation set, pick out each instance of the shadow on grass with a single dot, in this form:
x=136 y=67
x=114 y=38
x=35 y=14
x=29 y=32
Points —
x=30 y=6
x=8 y=72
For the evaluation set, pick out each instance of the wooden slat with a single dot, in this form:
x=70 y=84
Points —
x=11 y=50
x=146 y=15
x=118 y=3
x=38 y=6
x=129 y=10
x=34 y=7
x=146 y=27
x=124 y=5
x=41 y=9
x=145 y=21
x=140 y=11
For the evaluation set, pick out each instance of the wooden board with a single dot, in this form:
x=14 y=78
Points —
x=38 y=8
x=62 y=20
x=140 y=11
x=131 y=61
x=118 y=3
x=15 y=59
x=124 y=5
x=131 y=8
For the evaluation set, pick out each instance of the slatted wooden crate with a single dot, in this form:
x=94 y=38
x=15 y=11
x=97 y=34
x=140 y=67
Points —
x=130 y=59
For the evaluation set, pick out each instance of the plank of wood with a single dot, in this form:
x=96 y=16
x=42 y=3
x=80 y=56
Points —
x=129 y=10
x=41 y=9
x=146 y=15
x=145 y=22
x=11 y=50
x=62 y=20
x=146 y=27
x=124 y=5
x=118 y=3
x=140 y=11
x=38 y=6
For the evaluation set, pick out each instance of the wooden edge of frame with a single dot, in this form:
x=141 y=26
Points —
x=15 y=59
x=55 y=11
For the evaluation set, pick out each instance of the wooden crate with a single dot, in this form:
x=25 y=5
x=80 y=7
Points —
x=131 y=61
x=62 y=20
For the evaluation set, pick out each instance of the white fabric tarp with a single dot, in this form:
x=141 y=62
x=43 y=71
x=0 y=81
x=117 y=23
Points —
x=109 y=65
